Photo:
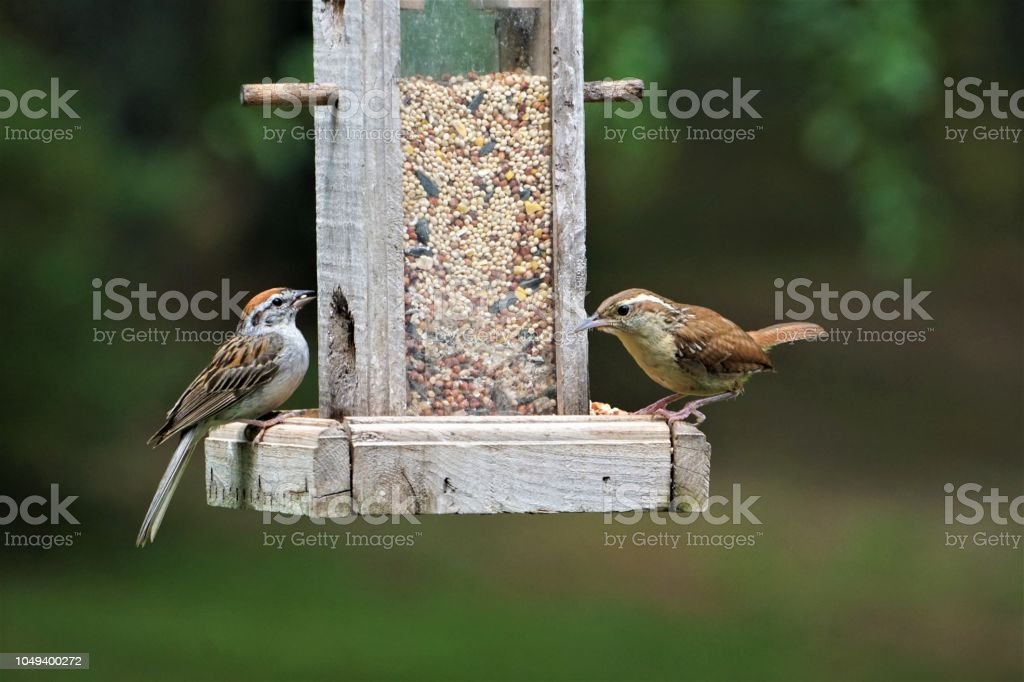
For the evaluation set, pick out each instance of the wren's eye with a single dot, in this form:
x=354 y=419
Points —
x=623 y=310
x=278 y=301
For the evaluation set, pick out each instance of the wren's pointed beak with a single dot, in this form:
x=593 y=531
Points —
x=592 y=322
x=304 y=297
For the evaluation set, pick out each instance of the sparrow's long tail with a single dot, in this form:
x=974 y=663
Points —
x=172 y=476
x=786 y=332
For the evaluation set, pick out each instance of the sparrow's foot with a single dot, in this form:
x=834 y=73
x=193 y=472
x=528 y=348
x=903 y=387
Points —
x=264 y=424
x=659 y=406
x=692 y=408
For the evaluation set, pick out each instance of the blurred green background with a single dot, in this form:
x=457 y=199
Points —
x=849 y=181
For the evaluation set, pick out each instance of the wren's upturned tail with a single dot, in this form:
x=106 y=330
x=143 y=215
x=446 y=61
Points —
x=785 y=332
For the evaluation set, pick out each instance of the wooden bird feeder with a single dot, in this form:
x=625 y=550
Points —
x=451 y=271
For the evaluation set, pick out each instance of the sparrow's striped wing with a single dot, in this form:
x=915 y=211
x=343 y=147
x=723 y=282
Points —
x=241 y=365
x=709 y=342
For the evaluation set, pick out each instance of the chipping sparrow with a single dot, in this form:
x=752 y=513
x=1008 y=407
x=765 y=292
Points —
x=251 y=374
x=689 y=349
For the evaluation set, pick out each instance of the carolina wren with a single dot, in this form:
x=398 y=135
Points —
x=688 y=349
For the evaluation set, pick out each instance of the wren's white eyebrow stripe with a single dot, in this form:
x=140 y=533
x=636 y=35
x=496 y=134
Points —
x=646 y=298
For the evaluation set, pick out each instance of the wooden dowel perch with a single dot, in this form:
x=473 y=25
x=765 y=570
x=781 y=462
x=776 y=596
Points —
x=321 y=94
x=279 y=94
x=627 y=89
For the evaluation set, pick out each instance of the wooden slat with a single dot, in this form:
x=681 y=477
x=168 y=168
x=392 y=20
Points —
x=358 y=210
x=691 y=468
x=453 y=465
x=569 y=204
x=300 y=467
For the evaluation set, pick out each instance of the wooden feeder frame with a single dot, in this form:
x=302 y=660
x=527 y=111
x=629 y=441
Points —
x=361 y=457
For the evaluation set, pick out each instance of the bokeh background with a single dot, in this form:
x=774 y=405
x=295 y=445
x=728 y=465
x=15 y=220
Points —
x=849 y=181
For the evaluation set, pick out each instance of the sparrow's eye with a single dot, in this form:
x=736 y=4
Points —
x=623 y=310
x=278 y=301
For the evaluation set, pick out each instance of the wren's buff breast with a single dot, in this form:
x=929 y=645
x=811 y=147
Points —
x=688 y=349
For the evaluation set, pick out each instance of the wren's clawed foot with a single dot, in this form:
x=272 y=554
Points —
x=692 y=408
x=264 y=424
x=659 y=406
x=682 y=415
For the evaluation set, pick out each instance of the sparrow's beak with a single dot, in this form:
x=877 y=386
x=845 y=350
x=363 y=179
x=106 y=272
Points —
x=304 y=297
x=592 y=322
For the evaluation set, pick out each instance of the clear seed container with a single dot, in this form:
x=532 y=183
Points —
x=476 y=183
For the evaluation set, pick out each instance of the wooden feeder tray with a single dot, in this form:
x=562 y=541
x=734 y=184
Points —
x=459 y=465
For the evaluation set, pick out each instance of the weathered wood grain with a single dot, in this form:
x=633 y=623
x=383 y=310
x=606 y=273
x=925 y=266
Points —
x=358 y=209
x=628 y=89
x=323 y=94
x=460 y=465
x=280 y=94
x=691 y=468
x=569 y=208
x=301 y=467
x=457 y=465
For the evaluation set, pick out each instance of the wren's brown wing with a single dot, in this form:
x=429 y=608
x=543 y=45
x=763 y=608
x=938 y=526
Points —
x=240 y=366
x=708 y=341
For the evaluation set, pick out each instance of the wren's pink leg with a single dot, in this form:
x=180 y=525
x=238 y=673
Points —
x=264 y=424
x=655 y=408
x=693 y=408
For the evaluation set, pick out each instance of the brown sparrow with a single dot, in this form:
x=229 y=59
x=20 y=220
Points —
x=688 y=349
x=251 y=374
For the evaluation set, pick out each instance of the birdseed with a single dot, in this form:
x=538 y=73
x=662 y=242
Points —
x=476 y=185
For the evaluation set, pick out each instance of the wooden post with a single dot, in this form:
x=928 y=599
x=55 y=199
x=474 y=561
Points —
x=359 y=209
x=569 y=213
x=691 y=468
